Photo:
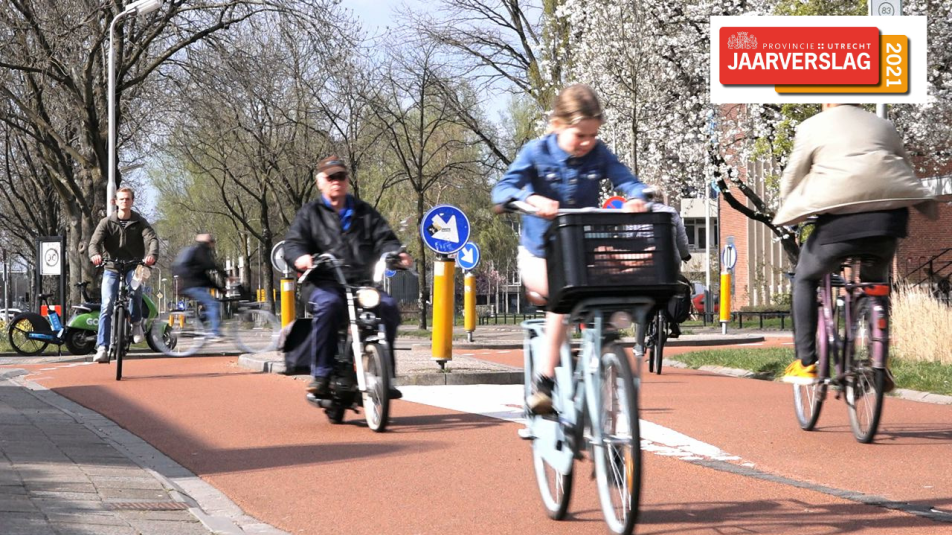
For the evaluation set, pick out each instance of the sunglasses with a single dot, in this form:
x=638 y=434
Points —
x=337 y=176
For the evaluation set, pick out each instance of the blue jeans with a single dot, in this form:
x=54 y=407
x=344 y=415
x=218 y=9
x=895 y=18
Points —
x=212 y=314
x=330 y=314
x=110 y=289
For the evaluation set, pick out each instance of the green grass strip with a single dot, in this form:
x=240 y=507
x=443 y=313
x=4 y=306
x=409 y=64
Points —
x=931 y=377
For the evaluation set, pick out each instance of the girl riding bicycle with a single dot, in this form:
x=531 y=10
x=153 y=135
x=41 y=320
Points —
x=565 y=168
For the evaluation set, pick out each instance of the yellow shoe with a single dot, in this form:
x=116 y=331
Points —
x=798 y=374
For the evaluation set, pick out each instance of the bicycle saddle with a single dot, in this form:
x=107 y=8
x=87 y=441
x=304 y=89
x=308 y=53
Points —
x=44 y=296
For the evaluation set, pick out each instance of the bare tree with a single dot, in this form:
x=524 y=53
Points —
x=423 y=131
x=53 y=54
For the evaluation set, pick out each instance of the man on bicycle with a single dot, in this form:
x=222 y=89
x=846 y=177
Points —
x=125 y=235
x=193 y=267
x=355 y=233
x=849 y=167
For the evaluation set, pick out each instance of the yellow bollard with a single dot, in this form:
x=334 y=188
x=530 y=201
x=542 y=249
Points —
x=469 y=304
x=443 y=310
x=725 y=305
x=287 y=301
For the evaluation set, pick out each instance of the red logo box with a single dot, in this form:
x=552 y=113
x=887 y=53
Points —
x=760 y=55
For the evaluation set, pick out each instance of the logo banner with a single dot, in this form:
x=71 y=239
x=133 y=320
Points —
x=818 y=59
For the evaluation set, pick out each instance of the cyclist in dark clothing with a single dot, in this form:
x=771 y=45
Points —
x=193 y=268
x=357 y=235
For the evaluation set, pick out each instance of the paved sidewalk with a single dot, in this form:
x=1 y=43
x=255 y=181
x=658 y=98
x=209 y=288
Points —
x=67 y=470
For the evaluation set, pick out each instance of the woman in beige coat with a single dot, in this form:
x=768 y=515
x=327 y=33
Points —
x=850 y=169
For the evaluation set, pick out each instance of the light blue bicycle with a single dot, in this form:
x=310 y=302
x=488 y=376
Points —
x=605 y=269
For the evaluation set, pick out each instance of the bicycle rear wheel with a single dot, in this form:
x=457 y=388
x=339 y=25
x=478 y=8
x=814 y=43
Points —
x=864 y=384
x=182 y=334
x=554 y=486
x=808 y=399
x=19 y=331
x=618 y=457
x=255 y=330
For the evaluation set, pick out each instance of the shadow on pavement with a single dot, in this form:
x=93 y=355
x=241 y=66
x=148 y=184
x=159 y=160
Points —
x=441 y=422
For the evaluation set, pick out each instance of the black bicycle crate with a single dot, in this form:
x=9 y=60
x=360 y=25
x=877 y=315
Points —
x=610 y=255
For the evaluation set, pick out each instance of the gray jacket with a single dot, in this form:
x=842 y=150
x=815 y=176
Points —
x=134 y=242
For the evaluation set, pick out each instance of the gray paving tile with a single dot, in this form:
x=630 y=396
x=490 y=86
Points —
x=99 y=519
x=79 y=529
x=114 y=495
x=36 y=487
x=179 y=516
x=158 y=527
x=50 y=505
x=16 y=504
x=25 y=525
x=127 y=483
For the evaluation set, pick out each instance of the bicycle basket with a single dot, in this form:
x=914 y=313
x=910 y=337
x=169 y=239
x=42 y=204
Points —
x=610 y=255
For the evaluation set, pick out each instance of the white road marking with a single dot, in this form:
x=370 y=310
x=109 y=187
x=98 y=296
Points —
x=505 y=403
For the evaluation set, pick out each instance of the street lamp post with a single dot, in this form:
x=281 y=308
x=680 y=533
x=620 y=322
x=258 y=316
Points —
x=141 y=7
x=165 y=298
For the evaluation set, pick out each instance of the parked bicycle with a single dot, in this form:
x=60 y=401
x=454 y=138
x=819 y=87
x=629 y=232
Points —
x=852 y=346
x=366 y=381
x=250 y=326
x=605 y=269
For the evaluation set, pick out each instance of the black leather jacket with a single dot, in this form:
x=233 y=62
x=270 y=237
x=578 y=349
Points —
x=317 y=229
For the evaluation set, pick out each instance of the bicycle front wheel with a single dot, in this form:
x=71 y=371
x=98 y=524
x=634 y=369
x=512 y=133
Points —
x=661 y=336
x=120 y=332
x=376 y=399
x=865 y=383
x=181 y=334
x=255 y=330
x=618 y=456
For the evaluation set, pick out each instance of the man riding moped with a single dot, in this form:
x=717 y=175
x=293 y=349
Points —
x=357 y=235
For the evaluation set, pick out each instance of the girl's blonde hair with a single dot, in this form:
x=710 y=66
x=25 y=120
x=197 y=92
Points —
x=576 y=103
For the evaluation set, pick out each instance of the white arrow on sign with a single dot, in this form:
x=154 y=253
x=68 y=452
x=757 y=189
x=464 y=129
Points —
x=445 y=230
x=466 y=255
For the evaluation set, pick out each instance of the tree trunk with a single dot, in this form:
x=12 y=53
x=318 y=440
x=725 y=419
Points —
x=424 y=290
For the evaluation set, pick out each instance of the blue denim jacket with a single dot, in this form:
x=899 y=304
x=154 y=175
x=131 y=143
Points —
x=542 y=168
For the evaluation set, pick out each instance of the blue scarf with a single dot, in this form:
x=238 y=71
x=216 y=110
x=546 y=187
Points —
x=347 y=214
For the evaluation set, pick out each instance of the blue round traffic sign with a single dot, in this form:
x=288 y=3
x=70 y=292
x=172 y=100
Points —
x=445 y=229
x=468 y=256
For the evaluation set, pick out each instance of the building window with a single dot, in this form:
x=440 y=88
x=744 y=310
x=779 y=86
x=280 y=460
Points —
x=697 y=233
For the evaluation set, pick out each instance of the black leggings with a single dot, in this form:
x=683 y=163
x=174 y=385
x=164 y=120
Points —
x=816 y=260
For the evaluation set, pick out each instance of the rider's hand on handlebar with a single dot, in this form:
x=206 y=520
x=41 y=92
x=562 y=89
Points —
x=149 y=260
x=96 y=259
x=304 y=262
x=635 y=205
x=406 y=260
x=548 y=208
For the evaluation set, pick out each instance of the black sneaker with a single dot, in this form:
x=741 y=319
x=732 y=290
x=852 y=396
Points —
x=675 y=330
x=393 y=393
x=320 y=387
x=540 y=401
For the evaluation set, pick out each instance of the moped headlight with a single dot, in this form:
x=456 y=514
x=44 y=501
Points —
x=368 y=297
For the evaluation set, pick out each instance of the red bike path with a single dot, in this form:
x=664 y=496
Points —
x=253 y=436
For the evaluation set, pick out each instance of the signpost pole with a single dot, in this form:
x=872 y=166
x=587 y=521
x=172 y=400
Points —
x=444 y=230
x=443 y=309
x=469 y=304
x=887 y=8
